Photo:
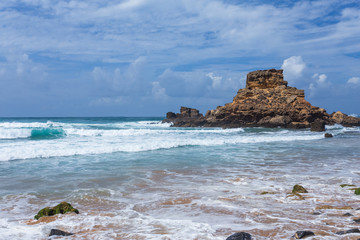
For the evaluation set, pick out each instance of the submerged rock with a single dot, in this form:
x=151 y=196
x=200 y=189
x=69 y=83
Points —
x=354 y=230
x=299 y=189
x=357 y=191
x=61 y=208
x=303 y=234
x=266 y=101
x=240 y=236
x=57 y=232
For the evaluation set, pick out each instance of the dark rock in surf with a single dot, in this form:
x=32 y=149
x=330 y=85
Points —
x=354 y=230
x=303 y=234
x=57 y=232
x=328 y=135
x=240 y=236
x=266 y=101
x=61 y=208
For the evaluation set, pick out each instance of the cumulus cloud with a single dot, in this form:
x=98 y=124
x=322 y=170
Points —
x=354 y=80
x=319 y=82
x=293 y=68
x=216 y=80
x=320 y=78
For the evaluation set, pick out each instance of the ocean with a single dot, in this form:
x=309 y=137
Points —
x=137 y=178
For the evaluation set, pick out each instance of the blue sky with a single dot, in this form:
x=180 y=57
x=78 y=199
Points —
x=147 y=57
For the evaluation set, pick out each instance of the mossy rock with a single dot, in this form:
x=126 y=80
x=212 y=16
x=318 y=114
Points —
x=264 y=193
x=61 y=208
x=299 y=189
x=357 y=191
x=347 y=185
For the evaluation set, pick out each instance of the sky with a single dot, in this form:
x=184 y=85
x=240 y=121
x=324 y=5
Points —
x=147 y=57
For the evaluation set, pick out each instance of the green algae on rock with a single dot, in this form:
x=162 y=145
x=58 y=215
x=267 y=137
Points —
x=299 y=189
x=357 y=191
x=61 y=208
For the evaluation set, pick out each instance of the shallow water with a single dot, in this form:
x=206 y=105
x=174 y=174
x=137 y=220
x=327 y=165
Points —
x=135 y=178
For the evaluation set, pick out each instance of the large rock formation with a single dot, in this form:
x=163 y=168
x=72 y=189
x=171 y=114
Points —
x=266 y=101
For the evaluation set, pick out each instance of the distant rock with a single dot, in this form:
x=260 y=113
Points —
x=266 y=101
x=57 y=232
x=355 y=230
x=303 y=234
x=240 y=236
x=61 y=208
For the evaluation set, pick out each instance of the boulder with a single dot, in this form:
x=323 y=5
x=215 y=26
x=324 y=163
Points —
x=328 y=135
x=61 y=208
x=57 y=232
x=318 y=126
x=239 y=236
x=303 y=234
x=299 y=189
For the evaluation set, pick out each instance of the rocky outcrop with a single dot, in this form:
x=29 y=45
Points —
x=266 y=101
x=345 y=120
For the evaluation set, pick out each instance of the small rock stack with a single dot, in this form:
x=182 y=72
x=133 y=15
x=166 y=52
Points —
x=266 y=101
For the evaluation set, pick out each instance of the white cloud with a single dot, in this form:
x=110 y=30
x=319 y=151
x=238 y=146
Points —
x=320 y=78
x=293 y=68
x=216 y=80
x=157 y=91
x=320 y=82
x=354 y=80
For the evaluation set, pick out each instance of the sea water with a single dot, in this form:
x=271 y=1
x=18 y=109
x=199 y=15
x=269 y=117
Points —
x=137 y=178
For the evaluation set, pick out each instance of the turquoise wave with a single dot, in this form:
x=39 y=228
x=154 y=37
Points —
x=47 y=133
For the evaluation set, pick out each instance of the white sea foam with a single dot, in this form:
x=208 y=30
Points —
x=16 y=230
x=13 y=133
x=132 y=140
x=88 y=138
